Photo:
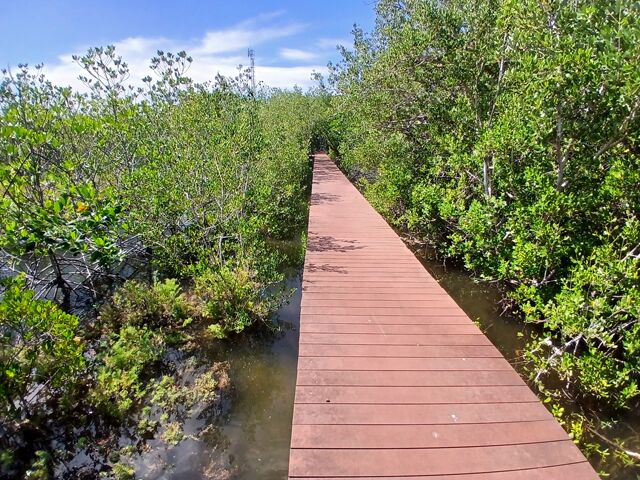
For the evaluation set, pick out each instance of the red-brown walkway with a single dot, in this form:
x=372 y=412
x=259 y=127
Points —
x=394 y=380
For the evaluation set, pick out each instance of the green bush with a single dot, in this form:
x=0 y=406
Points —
x=41 y=354
x=233 y=299
x=177 y=178
x=227 y=299
x=119 y=378
x=594 y=320
x=143 y=305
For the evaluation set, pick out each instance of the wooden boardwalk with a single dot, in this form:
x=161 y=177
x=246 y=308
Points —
x=394 y=380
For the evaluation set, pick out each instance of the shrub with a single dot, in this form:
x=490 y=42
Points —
x=593 y=321
x=140 y=304
x=119 y=383
x=40 y=352
x=233 y=299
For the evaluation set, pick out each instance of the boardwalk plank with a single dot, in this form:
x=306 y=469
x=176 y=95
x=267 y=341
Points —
x=382 y=339
x=435 y=319
x=575 y=471
x=425 y=436
x=390 y=329
x=438 y=461
x=383 y=294
x=385 y=311
x=398 y=351
x=388 y=302
x=439 y=414
x=408 y=378
x=414 y=395
x=399 y=363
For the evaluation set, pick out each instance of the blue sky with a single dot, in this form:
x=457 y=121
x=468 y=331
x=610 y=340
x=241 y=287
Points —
x=291 y=39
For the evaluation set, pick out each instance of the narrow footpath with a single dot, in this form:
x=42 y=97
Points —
x=394 y=380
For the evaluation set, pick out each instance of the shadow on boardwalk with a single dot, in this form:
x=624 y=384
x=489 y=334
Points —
x=325 y=243
x=325 y=267
x=323 y=198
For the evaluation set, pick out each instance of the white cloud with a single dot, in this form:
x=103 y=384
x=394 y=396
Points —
x=296 y=54
x=219 y=51
x=332 y=43
x=286 y=77
x=234 y=39
x=140 y=46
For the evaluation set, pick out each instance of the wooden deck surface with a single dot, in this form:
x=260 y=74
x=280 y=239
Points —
x=394 y=380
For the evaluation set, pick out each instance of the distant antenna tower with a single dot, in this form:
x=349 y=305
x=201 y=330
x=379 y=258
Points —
x=252 y=66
